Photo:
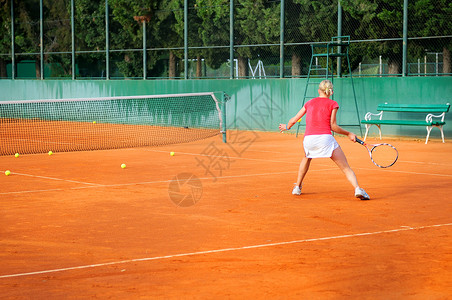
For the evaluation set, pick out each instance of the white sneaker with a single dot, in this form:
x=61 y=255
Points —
x=361 y=194
x=296 y=190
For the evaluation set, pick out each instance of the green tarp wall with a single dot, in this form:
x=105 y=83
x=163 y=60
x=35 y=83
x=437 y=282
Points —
x=261 y=104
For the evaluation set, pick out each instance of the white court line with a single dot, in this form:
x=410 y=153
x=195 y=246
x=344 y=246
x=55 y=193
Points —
x=403 y=228
x=268 y=151
x=425 y=163
x=53 y=178
x=404 y=172
x=231 y=157
x=93 y=185
x=297 y=162
x=153 y=182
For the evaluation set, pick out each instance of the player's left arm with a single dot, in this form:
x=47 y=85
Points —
x=336 y=128
x=293 y=120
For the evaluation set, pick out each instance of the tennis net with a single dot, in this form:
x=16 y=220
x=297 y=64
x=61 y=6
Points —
x=39 y=126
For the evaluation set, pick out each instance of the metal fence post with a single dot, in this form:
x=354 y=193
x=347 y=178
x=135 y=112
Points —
x=72 y=40
x=107 y=42
x=41 y=38
x=231 y=39
x=436 y=63
x=339 y=33
x=13 y=54
x=186 y=39
x=281 y=39
x=405 y=37
x=144 y=50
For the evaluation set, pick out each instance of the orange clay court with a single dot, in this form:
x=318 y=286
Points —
x=75 y=225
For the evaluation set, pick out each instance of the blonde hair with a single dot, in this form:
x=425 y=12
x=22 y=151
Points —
x=326 y=86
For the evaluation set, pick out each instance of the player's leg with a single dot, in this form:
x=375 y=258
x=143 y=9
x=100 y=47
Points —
x=341 y=161
x=302 y=170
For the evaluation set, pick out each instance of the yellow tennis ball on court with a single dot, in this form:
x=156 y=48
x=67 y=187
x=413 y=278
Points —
x=123 y=166
x=94 y=122
x=16 y=155
x=172 y=153
x=7 y=172
x=50 y=152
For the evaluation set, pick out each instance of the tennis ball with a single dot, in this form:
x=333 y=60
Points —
x=16 y=155
x=172 y=153
x=123 y=166
x=7 y=172
x=50 y=152
x=94 y=122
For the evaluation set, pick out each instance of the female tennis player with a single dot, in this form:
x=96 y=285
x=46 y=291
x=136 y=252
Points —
x=318 y=139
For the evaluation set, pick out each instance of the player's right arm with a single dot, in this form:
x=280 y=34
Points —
x=337 y=129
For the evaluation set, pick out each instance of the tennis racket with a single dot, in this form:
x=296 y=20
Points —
x=382 y=155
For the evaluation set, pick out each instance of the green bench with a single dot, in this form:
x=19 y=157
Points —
x=435 y=114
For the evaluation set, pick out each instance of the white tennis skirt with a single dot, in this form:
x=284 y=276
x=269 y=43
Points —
x=317 y=146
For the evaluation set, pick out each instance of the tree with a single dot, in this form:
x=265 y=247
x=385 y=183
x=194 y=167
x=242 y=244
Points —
x=432 y=18
x=90 y=36
x=257 y=22
x=379 y=20
x=126 y=32
x=27 y=33
x=292 y=35
x=5 y=34
x=193 y=35
x=167 y=29
x=213 y=30
x=316 y=22
x=57 y=36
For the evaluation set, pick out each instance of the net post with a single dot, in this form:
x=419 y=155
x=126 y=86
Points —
x=223 y=115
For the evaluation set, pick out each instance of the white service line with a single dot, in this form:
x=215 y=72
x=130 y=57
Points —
x=424 y=163
x=295 y=161
x=231 y=157
x=404 y=172
x=154 y=182
x=402 y=228
x=53 y=178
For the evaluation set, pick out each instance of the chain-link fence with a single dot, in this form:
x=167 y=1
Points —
x=194 y=39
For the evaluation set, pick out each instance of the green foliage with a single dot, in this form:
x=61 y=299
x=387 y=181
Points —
x=89 y=24
x=169 y=29
x=212 y=27
x=126 y=32
x=379 y=19
x=256 y=23
x=427 y=18
x=57 y=36
x=27 y=26
x=319 y=20
x=5 y=26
